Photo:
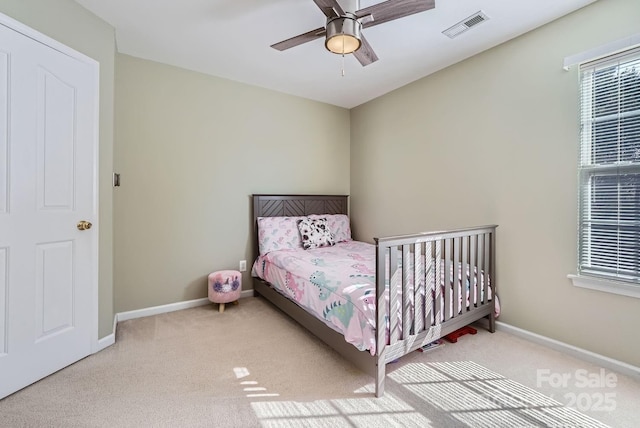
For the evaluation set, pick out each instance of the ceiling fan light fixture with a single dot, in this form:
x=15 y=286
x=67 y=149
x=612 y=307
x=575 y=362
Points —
x=343 y=35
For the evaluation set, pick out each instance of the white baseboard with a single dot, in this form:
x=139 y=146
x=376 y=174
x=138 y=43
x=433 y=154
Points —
x=574 y=351
x=106 y=341
x=162 y=309
x=155 y=310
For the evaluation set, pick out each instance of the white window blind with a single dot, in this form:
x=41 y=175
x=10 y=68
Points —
x=609 y=168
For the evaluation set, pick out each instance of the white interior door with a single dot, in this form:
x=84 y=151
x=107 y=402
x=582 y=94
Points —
x=48 y=266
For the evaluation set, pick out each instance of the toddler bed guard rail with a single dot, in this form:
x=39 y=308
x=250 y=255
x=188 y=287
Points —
x=431 y=284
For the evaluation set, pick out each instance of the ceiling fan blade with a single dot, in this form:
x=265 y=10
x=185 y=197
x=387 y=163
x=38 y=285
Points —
x=300 y=39
x=330 y=8
x=365 y=54
x=394 y=9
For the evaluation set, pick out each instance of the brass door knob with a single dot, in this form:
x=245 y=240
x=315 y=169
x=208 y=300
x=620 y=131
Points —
x=84 y=225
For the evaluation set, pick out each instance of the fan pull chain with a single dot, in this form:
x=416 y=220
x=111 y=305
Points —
x=342 y=56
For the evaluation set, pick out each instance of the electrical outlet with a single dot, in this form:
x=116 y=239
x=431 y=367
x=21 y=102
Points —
x=243 y=265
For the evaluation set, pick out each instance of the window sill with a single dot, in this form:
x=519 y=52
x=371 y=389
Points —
x=605 y=285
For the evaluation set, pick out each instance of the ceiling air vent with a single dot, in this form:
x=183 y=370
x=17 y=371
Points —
x=465 y=24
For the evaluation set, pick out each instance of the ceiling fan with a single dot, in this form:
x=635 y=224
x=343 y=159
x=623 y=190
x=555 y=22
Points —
x=343 y=31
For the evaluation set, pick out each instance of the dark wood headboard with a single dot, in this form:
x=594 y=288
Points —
x=294 y=205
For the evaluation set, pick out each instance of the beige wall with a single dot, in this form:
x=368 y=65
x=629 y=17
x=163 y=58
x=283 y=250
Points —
x=71 y=24
x=494 y=139
x=192 y=149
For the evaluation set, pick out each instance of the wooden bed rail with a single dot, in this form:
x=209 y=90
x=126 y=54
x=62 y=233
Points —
x=412 y=295
x=434 y=235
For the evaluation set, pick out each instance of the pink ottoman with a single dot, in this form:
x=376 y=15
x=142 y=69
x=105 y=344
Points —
x=225 y=286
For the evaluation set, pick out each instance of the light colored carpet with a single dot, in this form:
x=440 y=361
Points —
x=252 y=366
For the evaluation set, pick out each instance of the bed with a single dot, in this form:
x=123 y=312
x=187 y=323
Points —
x=421 y=287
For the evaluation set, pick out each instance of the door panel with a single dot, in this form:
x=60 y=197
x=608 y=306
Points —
x=4 y=131
x=54 y=288
x=4 y=289
x=56 y=141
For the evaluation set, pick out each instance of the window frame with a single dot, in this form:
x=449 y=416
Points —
x=589 y=277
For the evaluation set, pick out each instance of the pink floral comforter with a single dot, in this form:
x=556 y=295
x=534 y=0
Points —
x=335 y=283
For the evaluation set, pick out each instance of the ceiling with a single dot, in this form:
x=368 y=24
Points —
x=232 y=38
